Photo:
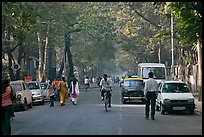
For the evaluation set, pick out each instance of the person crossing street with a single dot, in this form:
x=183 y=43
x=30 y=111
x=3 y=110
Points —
x=150 y=93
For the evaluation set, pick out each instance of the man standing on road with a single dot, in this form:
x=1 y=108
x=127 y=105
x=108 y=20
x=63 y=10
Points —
x=150 y=93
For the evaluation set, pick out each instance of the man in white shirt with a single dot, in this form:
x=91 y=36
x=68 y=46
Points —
x=150 y=93
x=105 y=85
x=86 y=82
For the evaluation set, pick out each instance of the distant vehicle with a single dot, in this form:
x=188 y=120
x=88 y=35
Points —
x=132 y=90
x=174 y=96
x=158 y=69
x=45 y=91
x=23 y=95
x=37 y=92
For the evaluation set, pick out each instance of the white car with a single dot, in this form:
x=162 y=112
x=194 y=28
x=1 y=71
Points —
x=174 y=96
x=23 y=95
x=37 y=92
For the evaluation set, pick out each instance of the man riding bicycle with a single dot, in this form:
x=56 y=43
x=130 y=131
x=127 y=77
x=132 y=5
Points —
x=105 y=85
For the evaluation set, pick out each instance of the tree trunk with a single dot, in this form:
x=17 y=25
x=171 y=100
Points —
x=69 y=56
x=159 y=53
x=40 y=69
x=45 y=67
x=10 y=57
x=61 y=67
x=199 y=50
x=20 y=56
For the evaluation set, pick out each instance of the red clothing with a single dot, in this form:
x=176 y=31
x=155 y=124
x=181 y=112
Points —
x=6 y=97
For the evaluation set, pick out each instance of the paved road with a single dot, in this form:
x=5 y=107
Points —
x=88 y=117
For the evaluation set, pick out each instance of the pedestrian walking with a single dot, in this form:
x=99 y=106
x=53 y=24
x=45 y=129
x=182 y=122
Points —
x=57 y=88
x=63 y=91
x=74 y=90
x=150 y=93
x=51 y=92
x=7 y=108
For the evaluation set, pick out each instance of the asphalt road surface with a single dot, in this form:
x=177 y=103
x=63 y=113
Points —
x=89 y=117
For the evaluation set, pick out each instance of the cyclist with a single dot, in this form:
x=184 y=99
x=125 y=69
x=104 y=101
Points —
x=105 y=85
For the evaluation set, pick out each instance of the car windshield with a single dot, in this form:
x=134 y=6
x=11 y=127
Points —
x=16 y=87
x=175 y=88
x=34 y=85
x=134 y=83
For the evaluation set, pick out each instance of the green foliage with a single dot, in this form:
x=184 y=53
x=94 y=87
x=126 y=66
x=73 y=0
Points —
x=189 y=15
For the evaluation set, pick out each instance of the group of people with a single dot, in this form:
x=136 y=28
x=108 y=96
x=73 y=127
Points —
x=59 y=90
x=150 y=93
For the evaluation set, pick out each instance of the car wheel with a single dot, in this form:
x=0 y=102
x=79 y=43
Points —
x=162 y=109
x=43 y=102
x=31 y=105
x=123 y=100
x=192 y=112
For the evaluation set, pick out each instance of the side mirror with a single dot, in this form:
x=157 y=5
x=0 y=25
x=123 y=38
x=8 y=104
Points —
x=159 y=91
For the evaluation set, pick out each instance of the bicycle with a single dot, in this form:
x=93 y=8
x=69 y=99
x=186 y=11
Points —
x=106 y=99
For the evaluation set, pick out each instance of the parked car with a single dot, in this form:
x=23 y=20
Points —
x=45 y=91
x=37 y=92
x=132 y=90
x=174 y=96
x=23 y=95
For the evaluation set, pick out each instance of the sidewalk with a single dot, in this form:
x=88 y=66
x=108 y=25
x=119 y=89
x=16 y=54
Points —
x=198 y=105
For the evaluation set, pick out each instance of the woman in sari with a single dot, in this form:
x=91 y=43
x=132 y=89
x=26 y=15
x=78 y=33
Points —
x=63 y=91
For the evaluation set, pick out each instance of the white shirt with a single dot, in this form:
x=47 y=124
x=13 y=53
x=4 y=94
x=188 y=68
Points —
x=105 y=85
x=150 y=86
x=86 y=81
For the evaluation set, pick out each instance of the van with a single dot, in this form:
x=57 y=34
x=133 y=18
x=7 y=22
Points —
x=158 y=69
x=174 y=96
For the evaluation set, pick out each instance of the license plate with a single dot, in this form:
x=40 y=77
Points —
x=179 y=108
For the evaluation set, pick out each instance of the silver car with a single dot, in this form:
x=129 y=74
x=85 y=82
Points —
x=37 y=92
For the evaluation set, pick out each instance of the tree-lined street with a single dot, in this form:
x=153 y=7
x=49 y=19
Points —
x=44 y=41
x=89 y=117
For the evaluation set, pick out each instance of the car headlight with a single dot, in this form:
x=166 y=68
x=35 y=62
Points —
x=18 y=96
x=166 y=100
x=191 y=100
